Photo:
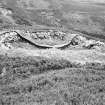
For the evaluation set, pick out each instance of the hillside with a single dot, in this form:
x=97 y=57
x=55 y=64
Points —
x=82 y=16
x=52 y=52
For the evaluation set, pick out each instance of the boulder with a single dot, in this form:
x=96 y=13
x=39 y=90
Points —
x=40 y=35
x=34 y=36
x=78 y=40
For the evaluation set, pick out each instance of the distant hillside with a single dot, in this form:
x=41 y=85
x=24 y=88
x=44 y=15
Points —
x=82 y=16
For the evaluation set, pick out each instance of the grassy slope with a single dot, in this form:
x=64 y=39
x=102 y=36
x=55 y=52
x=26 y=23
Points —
x=47 y=81
x=47 y=78
x=42 y=81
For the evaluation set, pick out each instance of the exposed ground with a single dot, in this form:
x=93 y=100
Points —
x=39 y=71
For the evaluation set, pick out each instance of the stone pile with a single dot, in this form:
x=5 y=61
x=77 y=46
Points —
x=7 y=38
x=48 y=34
x=79 y=40
x=93 y=44
x=5 y=11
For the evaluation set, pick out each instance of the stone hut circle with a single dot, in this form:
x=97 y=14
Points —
x=47 y=39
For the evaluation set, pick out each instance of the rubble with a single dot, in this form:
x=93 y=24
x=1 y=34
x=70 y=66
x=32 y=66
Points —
x=7 y=38
x=48 y=34
x=5 y=11
x=89 y=44
x=85 y=43
x=10 y=36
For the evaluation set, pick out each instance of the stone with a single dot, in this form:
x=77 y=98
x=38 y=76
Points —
x=78 y=40
x=93 y=44
x=34 y=36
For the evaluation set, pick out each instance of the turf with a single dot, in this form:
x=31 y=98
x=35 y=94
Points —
x=39 y=81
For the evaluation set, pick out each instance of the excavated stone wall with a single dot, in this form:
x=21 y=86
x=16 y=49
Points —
x=9 y=37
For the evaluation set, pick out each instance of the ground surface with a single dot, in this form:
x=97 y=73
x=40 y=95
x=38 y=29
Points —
x=30 y=75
